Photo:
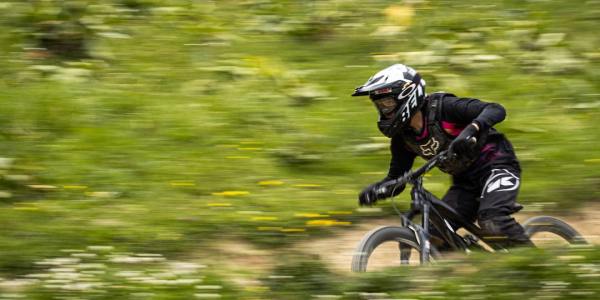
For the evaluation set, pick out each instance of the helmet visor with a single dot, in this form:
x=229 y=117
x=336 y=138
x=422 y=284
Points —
x=386 y=105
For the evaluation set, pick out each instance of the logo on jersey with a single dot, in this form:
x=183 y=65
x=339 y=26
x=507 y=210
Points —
x=430 y=148
x=501 y=180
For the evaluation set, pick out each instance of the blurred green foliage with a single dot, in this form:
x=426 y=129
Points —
x=527 y=273
x=163 y=126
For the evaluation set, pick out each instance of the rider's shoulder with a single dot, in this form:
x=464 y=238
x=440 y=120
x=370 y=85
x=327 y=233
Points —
x=441 y=95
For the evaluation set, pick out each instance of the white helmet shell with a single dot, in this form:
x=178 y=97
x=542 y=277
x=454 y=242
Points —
x=406 y=87
x=387 y=77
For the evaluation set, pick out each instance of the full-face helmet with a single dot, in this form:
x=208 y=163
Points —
x=398 y=92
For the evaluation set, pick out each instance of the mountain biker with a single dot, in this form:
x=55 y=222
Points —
x=484 y=168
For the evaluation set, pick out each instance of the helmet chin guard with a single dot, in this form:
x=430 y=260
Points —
x=400 y=83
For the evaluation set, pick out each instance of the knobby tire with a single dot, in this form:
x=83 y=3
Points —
x=543 y=224
x=378 y=236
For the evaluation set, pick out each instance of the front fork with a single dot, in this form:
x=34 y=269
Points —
x=423 y=235
x=422 y=238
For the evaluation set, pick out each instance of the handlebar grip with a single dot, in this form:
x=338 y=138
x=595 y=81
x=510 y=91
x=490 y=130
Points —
x=385 y=188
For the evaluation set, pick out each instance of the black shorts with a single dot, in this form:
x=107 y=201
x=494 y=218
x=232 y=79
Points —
x=491 y=186
x=495 y=197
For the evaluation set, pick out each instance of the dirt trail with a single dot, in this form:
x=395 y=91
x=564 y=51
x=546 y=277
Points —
x=337 y=250
x=244 y=263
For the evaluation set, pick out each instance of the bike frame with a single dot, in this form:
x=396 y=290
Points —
x=433 y=212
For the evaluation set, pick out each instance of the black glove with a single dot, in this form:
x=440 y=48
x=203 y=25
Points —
x=372 y=193
x=465 y=144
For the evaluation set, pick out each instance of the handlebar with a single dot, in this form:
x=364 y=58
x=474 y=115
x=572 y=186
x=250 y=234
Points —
x=411 y=176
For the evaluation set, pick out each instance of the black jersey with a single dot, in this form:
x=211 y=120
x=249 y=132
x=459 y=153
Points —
x=440 y=127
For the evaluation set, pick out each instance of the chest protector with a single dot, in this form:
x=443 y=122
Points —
x=436 y=138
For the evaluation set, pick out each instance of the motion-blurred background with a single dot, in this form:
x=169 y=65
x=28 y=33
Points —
x=183 y=149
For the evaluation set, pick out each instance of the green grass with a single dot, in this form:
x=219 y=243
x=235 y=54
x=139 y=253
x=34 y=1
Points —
x=181 y=101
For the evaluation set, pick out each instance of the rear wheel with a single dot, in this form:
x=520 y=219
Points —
x=546 y=231
x=387 y=246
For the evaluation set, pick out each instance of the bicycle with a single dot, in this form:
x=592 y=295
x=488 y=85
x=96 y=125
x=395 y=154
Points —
x=440 y=215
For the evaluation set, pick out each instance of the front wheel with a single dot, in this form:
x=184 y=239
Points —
x=406 y=251
x=546 y=231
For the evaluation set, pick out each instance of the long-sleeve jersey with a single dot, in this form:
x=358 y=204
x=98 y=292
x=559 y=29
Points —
x=456 y=113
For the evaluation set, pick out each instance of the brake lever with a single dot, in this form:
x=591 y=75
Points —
x=447 y=157
x=382 y=190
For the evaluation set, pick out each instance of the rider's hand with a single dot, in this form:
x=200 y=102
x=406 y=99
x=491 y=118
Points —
x=372 y=193
x=466 y=142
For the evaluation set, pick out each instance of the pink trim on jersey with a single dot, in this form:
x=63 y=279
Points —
x=488 y=147
x=452 y=128
x=489 y=152
x=425 y=132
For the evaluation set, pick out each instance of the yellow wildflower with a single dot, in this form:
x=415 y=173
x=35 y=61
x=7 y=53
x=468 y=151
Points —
x=307 y=185
x=231 y=193
x=311 y=215
x=326 y=222
x=270 y=182
x=400 y=14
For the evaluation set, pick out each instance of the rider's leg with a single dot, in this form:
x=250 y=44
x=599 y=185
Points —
x=463 y=200
x=504 y=231
x=497 y=203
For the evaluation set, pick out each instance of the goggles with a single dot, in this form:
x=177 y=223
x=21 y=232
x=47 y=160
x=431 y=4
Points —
x=386 y=105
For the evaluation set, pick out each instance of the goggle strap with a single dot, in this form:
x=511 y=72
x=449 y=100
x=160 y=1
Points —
x=417 y=79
